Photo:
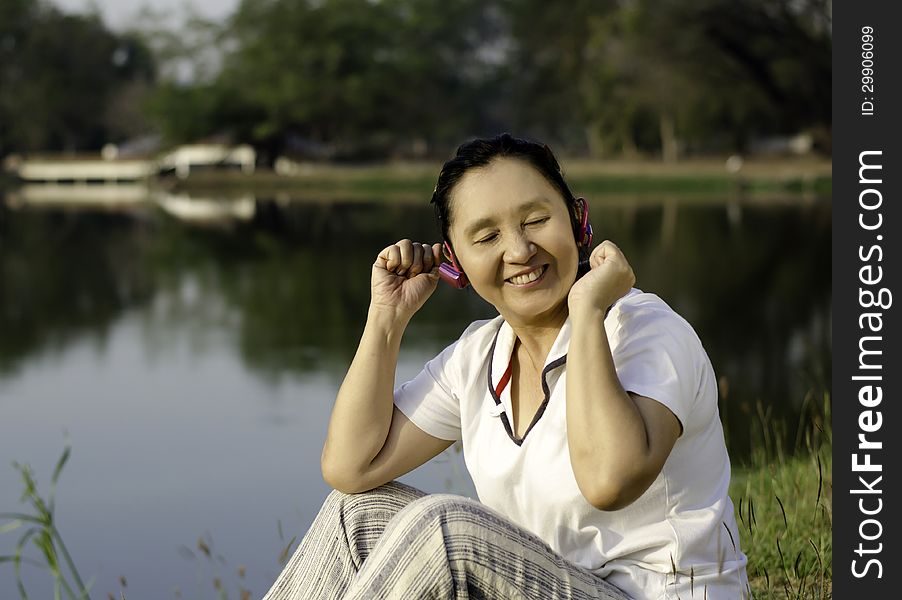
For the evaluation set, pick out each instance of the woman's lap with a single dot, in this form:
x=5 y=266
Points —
x=397 y=542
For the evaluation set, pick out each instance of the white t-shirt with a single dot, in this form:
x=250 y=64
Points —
x=679 y=539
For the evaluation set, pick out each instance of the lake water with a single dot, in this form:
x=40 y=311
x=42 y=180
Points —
x=191 y=365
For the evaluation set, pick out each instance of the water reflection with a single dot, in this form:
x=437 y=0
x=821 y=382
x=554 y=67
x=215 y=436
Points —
x=290 y=281
x=195 y=366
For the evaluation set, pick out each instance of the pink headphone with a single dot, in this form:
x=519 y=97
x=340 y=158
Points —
x=454 y=275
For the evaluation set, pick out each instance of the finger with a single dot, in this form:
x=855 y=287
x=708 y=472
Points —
x=605 y=251
x=597 y=257
x=612 y=250
x=437 y=254
x=405 y=246
x=428 y=258
x=390 y=258
x=416 y=261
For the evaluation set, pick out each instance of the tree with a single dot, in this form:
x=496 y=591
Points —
x=749 y=67
x=57 y=74
x=656 y=76
x=356 y=78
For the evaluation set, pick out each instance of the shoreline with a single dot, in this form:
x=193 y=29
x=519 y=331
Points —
x=796 y=180
x=698 y=177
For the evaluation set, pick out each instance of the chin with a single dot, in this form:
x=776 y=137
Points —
x=528 y=309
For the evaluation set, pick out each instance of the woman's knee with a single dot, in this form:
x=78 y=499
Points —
x=335 y=498
x=391 y=497
x=447 y=510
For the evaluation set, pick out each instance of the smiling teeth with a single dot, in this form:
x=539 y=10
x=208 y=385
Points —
x=528 y=278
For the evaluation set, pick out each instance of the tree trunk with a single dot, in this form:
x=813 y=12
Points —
x=594 y=140
x=669 y=150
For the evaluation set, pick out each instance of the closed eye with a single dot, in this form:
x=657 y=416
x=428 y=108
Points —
x=489 y=238
x=537 y=221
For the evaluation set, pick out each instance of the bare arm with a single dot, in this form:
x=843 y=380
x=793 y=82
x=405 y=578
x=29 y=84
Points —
x=618 y=441
x=369 y=442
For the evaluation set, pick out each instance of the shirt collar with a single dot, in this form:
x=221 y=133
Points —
x=503 y=348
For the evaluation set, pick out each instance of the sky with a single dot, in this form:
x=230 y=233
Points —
x=119 y=14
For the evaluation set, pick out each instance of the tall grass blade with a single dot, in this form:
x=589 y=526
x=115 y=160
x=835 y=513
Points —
x=17 y=561
x=820 y=483
x=44 y=536
x=11 y=526
x=283 y=555
x=69 y=563
x=64 y=458
x=782 y=510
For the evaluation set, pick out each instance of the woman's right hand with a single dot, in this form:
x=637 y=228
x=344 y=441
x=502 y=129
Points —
x=404 y=276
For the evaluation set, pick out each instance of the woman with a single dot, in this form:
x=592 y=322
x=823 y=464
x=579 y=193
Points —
x=587 y=412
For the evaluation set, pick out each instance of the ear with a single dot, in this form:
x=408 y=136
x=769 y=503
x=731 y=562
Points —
x=448 y=254
x=582 y=210
x=584 y=236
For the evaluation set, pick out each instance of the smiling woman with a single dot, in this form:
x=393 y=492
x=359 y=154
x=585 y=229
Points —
x=512 y=235
x=587 y=411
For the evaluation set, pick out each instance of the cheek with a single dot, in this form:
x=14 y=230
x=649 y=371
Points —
x=570 y=264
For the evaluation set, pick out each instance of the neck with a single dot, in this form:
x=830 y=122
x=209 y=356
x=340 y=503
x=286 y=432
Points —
x=536 y=337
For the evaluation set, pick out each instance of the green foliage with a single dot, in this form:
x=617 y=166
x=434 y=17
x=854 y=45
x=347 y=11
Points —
x=360 y=77
x=42 y=533
x=59 y=74
x=355 y=79
x=680 y=74
x=372 y=78
x=785 y=513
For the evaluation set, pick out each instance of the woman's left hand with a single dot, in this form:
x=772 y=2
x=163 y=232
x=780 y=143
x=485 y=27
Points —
x=609 y=279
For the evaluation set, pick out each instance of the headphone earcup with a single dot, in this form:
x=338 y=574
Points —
x=452 y=273
x=585 y=234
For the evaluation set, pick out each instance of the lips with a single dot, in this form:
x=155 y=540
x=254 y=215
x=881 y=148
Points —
x=527 y=278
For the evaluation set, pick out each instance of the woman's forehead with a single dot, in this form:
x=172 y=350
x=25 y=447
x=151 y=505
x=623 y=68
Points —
x=503 y=183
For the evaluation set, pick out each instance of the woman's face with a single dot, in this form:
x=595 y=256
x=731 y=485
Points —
x=512 y=235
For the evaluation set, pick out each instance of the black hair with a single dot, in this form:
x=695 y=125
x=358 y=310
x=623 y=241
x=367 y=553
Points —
x=481 y=152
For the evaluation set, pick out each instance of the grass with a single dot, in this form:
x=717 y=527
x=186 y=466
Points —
x=783 y=500
x=414 y=181
x=41 y=532
x=785 y=512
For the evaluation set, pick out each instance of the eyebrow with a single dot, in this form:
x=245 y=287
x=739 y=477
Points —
x=489 y=221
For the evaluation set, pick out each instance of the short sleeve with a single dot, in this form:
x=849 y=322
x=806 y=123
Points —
x=658 y=355
x=428 y=399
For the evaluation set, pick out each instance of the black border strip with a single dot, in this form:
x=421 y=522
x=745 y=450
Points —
x=858 y=129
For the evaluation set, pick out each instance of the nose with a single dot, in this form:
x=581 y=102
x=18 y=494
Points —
x=519 y=248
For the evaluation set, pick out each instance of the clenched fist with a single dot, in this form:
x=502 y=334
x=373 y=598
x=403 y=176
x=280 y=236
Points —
x=404 y=275
x=610 y=278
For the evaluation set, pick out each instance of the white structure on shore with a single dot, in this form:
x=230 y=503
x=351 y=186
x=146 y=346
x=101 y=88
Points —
x=108 y=169
x=84 y=171
x=189 y=156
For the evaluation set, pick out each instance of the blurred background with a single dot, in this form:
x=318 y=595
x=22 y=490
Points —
x=193 y=194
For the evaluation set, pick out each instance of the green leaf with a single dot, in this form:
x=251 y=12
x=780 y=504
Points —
x=60 y=464
x=11 y=526
x=22 y=517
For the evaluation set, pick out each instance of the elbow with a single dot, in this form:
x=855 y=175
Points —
x=341 y=479
x=611 y=494
x=333 y=478
x=608 y=499
x=333 y=475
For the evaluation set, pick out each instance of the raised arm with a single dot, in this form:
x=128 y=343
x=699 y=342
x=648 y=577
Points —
x=618 y=441
x=369 y=442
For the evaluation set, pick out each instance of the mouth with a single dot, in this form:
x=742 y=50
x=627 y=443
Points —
x=528 y=278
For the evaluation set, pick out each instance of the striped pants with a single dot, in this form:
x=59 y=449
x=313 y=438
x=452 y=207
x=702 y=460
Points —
x=397 y=542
